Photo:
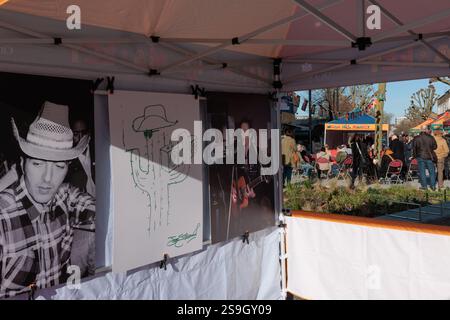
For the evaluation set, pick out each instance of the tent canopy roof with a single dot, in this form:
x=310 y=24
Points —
x=192 y=39
x=363 y=119
x=364 y=122
x=441 y=119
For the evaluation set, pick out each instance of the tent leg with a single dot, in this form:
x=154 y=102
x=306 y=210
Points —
x=283 y=257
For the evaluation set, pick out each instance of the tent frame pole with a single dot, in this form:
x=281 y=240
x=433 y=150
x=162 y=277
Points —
x=374 y=62
x=74 y=47
x=325 y=19
x=174 y=48
x=361 y=19
x=398 y=22
x=305 y=42
x=245 y=37
x=408 y=64
x=118 y=61
x=414 y=24
x=310 y=121
x=296 y=77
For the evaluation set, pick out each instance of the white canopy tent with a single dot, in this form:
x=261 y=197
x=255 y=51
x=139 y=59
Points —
x=236 y=46
x=230 y=45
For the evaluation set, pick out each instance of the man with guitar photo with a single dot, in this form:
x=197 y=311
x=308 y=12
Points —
x=242 y=190
x=245 y=178
x=241 y=199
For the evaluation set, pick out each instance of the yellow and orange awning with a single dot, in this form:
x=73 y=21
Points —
x=354 y=127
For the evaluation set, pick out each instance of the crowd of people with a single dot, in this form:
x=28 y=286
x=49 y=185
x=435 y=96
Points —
x=401 y=155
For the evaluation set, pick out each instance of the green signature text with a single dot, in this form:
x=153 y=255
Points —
x=181 y=239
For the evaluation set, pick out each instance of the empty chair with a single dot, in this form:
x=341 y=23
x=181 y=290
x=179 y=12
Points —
x=413 y=170
x=393 y=172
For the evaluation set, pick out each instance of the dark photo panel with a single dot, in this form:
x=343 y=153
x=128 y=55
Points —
x=241 y=199
x=47 y=182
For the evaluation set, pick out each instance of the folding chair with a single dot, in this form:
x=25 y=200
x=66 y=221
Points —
x=295 y=174
x=413 y=170
x=345 y=168
x=324 y=165
x=393 y=172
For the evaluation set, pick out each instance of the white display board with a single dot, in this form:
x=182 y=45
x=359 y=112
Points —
x=157 y=205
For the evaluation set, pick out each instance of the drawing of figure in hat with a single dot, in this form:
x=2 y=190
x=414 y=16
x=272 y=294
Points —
x=152 y=169
x=38 y=211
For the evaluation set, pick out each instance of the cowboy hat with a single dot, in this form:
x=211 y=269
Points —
x=154 y=118
x=49 y=136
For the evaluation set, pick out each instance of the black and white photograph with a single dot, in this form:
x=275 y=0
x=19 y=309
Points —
x=47 y=188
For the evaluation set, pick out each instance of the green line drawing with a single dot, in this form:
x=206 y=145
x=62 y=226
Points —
x=151 y=167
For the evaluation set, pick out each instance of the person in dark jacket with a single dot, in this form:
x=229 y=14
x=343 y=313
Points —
x=423 y=149
x=407 y=141
x=398 y=149
x=360 y=158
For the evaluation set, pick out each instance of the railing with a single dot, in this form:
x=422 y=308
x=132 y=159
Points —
x=421 y=207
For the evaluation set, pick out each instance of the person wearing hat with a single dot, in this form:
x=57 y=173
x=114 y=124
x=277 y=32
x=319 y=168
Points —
x=38 y=211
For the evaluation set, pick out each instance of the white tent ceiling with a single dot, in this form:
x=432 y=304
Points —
x=312 y=37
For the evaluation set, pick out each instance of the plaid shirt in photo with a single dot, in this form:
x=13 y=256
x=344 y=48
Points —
x=35 y=246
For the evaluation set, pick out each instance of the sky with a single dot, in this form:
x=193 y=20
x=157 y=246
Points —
x=398 y=95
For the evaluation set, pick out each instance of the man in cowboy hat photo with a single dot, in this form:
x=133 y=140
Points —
x=38 y=211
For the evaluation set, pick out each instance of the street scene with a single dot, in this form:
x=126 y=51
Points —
x=377 y=151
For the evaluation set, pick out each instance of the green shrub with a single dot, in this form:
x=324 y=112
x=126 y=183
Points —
x=369 y=202
x=347 y=202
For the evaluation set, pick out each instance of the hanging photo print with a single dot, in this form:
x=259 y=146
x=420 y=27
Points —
x=47 y=189
x=241 y=194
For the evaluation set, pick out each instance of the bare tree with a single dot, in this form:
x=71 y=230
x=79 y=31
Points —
x=338 y=101
x=445 y=80
x=360 y=96
x=422 y=103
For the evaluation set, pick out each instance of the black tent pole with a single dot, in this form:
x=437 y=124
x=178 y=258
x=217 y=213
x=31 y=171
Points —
x=310 y=122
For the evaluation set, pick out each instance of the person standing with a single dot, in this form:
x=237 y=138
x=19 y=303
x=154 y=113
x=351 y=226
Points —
x=360 y=158
x=407 y=140
x=423 y=151
x=441 y=153
x=447 y=160
x=288 y=149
